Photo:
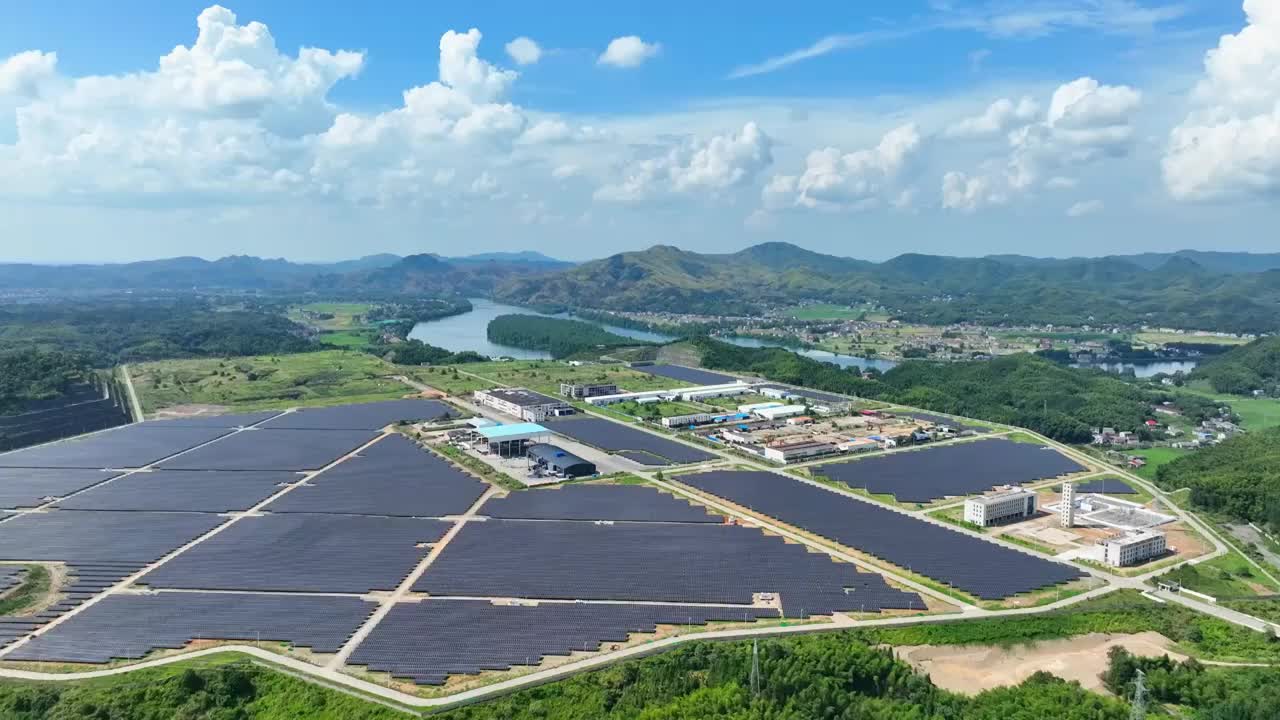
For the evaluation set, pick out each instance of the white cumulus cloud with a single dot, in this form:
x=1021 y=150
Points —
x=1085 y=207
x=22 y=75
x=833 y=179
x=628 y=51
x=1229 y=145
x=524 y=51
x=719 y=163
x=998 y=117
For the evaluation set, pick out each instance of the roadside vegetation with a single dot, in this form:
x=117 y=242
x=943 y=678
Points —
x=33 y=588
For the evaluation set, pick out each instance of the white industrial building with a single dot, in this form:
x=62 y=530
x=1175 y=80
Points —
x=798 y=451
x=758 y=406
x=781 y=411
x=714 y=391
x=1000 y=507
x=1134 y=547
x=524 y=404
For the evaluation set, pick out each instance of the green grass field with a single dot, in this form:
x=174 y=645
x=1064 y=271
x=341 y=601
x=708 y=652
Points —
x=826 y=312
x=1159 y=338
x=1156 y=457
x=328 y=377
x=543 y=376
x=1229 y=576
x=347 y=338
x=1255 y=413
x=344 y=314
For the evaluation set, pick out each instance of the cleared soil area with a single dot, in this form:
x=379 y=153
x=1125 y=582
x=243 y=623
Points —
x=970 y=669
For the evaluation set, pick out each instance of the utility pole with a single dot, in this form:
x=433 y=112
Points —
x=755 y=668
x=1138 y=710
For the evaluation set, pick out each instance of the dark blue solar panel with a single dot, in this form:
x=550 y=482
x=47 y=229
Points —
x=30 y=487
x=391 y=477
x=261 y=449
x=1106 y=486
x=182 y=491
x=674 y=563
x=683 y=374
x=635 y=503
x=615 y=437
x=363 y=416
x=130 y=446
x=131 y=626
x=217 y=421
x=88 y=537
x=971 y=564
x=303 y=553
x=428 y=641
x=961 y=469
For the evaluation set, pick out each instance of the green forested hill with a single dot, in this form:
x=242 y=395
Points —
x=559 y=336
x=1242 y=370
x=1239 y=477
x=1179 y=292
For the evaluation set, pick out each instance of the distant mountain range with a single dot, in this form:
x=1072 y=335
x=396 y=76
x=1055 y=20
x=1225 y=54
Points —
x=1176 y=291
x=373 y=273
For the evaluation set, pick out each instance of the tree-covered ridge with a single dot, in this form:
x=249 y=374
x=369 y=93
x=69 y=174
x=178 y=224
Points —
x=108 y=332
x=1059 y=402
x=1244 y=369
x=1239 y=477
x=33 y=374
x=558 y=336
x=1215 y=694
x=918 y=288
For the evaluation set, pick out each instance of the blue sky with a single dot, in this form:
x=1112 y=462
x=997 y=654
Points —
x=1048 y=127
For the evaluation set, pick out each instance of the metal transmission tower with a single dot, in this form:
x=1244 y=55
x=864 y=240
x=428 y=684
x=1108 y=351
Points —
x=755 y=668
x=1138 y=710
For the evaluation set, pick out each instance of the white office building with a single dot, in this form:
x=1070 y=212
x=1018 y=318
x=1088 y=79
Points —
x=1000 y=507
x=1133 y=548
x=524 y=404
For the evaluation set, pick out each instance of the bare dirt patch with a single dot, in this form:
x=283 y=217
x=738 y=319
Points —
x=970 y=669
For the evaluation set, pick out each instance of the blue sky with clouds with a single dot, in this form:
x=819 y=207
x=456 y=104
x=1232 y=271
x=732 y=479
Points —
x=326 y=129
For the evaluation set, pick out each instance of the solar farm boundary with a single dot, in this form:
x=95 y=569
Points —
x=406 y=585
x=232 y=519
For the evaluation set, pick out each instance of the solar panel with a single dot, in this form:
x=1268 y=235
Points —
x=131 y=626
x=929 y=474
x=303 y=553
x=687 y=374
x=978 y=567
x=363 y=416
x=272 y=450
x=427 y=642
x=30 y=487
x=616 y=438
x=217 y=421
x=88 y=537
x=634 y=503
x=10 y=577
x=673 y=563
x=130 y=446
x=391 y=477
x=182 y=491
x=1106 y=486
x=82 y=582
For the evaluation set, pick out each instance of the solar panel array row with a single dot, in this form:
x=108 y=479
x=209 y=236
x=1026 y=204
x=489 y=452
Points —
x=238 y=420
x=130 y=626
x=636 y=503
x=206 y=491
x=690 y=375
x=675 y=563
x=10 y=576
x=260 y=449
x=961 y=469
x=31 y=487
x=131 y=446
x=391 y=477
x=87 y=537
x=1106 y=486
x=978 y=567
x=84 y=581
x=614 y=437
x=364 y=416
x=303 y=553
x=428 y=641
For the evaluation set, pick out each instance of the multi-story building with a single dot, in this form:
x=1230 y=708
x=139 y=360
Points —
x=1000 y=507
x=1134 y=547
x=525 y=404
x=581 y=390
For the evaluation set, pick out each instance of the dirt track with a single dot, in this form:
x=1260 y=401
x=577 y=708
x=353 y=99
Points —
x=974 y=668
